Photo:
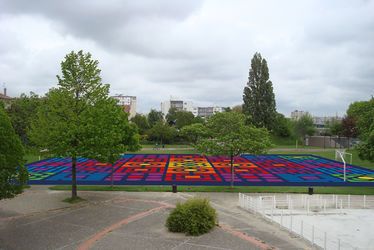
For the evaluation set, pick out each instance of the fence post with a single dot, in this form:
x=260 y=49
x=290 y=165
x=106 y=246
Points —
x=324 y=206
x=325 y=241
x=364 y=201
x=307 y=206
x=349 y=201
x=341 y=206
x=312 y=235
x=282 y=218
x=302 y=228
x=291 y=223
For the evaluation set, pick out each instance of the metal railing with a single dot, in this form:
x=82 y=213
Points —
x=285 y=210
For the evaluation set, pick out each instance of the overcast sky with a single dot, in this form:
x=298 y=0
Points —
x=320 y=53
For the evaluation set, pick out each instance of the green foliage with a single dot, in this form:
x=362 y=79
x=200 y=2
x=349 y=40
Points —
x=349 y=127
x=363 y=114
x=282 y=126
x=154 y=117
x=237 y=108
x=194 y=132
x=194 y=217
x=335 y=127
x=13 y=174
x=228 y=135
x=366 y=148
x=162 y=133
x=258 y=97
x=304 y=126
x=141 y=122
x=80 y=119
x=180 y=118
x=21 y=113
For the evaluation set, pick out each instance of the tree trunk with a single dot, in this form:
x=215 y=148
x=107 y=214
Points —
x=74 y=177
x=232 y=170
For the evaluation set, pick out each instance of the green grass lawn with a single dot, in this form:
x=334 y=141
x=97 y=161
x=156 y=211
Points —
x=246 y=189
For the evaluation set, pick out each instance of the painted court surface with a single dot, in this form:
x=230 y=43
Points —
x=194 y=169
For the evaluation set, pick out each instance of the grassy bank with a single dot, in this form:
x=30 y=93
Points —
x=286 y=189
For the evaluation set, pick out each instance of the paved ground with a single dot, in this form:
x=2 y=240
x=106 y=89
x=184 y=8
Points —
x=38 y=219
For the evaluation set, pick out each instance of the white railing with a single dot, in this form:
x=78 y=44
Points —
x=284 y=210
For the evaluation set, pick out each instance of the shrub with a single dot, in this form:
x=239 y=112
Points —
x=194 y=217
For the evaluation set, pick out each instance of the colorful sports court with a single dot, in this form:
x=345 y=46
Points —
x=194 y=169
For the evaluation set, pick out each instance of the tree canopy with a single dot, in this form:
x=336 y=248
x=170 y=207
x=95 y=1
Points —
x=13 y=174
x=258 y=97
x=79 y=119
x=194 y=132
x=162 y=132
x=304 y=126
x=362 y=114
x=228 y=135
x=154 y=117
x=180 y=118
x=21 y=113
x=141 y=122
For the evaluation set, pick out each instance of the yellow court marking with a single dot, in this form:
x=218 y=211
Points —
x=366 y=178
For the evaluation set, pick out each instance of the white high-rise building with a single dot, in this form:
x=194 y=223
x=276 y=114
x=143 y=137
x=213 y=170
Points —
x=178 y=105
x=188 y=106
x=128 y=103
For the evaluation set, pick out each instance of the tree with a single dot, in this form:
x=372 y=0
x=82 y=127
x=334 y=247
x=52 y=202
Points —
x=21 y=112
x=13 y=174
x=366 y=148
x=363 y=113
x=79 y=119
x=180 y=118
x=238 y=108
x=228 y=135
x=162 y=132
x=194 y=132
x=282 y=126
x=258 y=97
x=142 y=123
x=154 y=117
x=335 y=127
x=304 y=126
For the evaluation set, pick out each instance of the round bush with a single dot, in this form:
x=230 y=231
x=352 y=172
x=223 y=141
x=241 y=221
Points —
x=194 y=217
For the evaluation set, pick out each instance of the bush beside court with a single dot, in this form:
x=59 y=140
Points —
x=194 y=217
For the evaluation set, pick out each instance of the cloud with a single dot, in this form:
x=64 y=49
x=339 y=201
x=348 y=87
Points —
x=320 y=53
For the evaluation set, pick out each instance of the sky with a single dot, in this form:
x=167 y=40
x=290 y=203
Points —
x=320 y=54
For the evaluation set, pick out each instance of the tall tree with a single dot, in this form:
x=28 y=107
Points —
x=13 y=174
x=229 y=136
x=154 y=117
x=21 y=113
x=79 y=119
x=258 y=97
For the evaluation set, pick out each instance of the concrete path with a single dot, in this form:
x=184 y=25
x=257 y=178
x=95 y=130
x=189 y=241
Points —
x=38 y=219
